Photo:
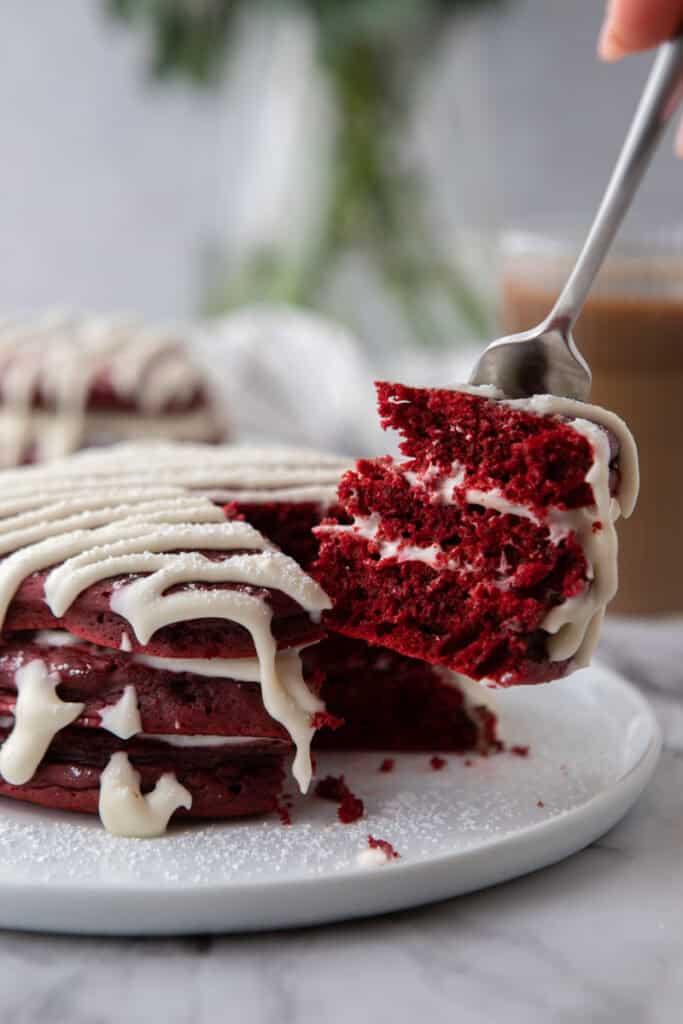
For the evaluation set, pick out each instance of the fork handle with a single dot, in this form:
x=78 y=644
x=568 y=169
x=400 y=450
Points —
x=662 y=94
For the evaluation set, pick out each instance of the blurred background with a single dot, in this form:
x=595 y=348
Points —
x=125 y=191
x=341 y=186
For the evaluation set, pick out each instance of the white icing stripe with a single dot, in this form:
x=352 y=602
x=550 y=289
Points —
x=27 y=506
x=315 y=494
x=189 y=741
x=254 y=475
x=134 y=520
x=39 y=714
x=286 y=697
x=242 y=670
x=55 y=638
x=400 y=550
x=575 y=624
x=496 y=500
x=123 y=718
x=124 y=811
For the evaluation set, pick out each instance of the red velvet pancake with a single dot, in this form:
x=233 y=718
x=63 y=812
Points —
x=470 y=552
x=168 y=702
x=224 y=782
x=385 y=701
x=91 y=618
x=167 y=494
x=133 y=542
x=289 y=524
x=393 y=703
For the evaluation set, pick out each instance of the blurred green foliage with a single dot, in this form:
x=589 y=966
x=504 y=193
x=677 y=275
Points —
x=370 y=50
x=189 y=36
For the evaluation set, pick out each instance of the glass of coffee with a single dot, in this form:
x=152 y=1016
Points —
x=631 y=333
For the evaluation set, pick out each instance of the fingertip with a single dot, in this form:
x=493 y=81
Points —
x=679 y=141
x=610 y=48
x=632 y=25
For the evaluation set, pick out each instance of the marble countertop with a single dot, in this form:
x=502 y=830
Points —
x=597 y=938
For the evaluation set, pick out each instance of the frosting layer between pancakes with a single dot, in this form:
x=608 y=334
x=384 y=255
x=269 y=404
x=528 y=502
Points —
x=146 y=518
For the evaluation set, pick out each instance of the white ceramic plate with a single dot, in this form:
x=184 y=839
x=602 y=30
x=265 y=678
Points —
x=593 y=745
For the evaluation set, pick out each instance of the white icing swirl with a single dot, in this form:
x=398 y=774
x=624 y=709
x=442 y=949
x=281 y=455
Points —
x=124 y=811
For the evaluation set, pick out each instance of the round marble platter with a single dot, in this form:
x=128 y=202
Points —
x=593 y=745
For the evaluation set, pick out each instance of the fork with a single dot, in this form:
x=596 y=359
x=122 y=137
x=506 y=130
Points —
x=545 y=360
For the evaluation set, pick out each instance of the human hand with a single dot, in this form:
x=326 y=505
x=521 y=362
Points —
x=632 y=25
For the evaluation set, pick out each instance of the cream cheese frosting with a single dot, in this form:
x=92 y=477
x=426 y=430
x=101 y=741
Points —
x=124 y=811
x=39 y=714
x=573 y=626
x=123 y=718
x=147 y=511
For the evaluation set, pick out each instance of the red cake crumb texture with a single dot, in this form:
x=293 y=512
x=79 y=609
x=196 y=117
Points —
x=350 y=809
x=284 y=814
x=122 y=720
x=437 y=764
x=222 y=783
x=458 y=555
x=376 y=698
x=125 y=707
x=167 y=701
x=91 y=618
x=394 y=703
x=323 y=719
x=331 y=788
x=386 y=848
x=289 y=524
x=520 y=751
x=335 y=789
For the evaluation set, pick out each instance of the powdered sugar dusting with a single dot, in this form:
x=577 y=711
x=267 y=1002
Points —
x=424 y=814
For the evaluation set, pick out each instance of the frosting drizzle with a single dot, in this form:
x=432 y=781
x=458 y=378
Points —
x=146 y=517
x=39 y=714
x=124 y=811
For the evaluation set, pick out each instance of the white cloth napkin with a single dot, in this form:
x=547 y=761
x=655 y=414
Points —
x=291 y=376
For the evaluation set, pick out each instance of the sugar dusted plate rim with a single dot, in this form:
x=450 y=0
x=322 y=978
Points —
x=457 y=830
